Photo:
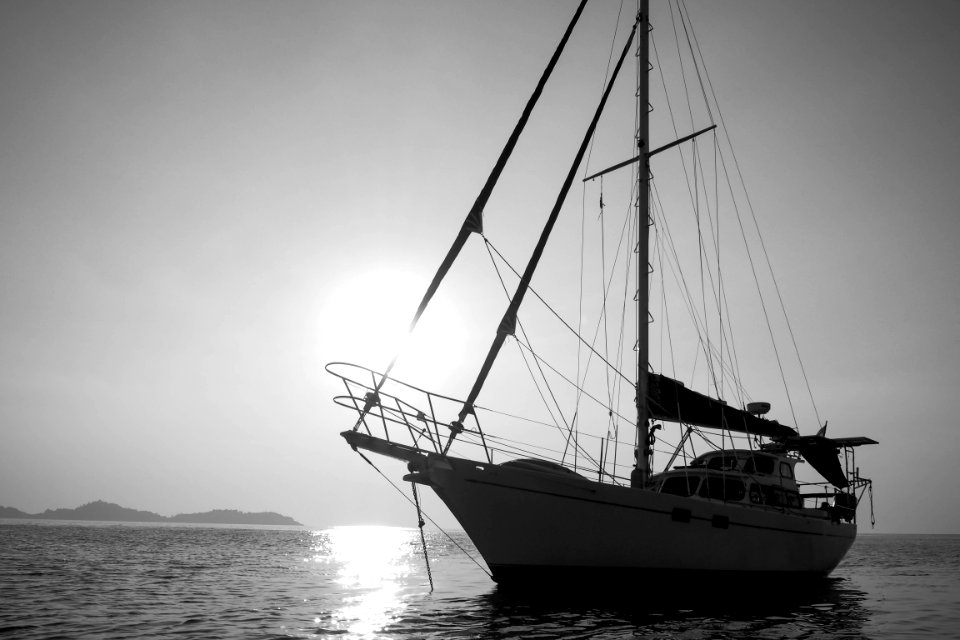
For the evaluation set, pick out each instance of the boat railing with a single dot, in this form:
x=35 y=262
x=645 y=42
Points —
x=388 y=408
x=845 y=501
x=402 y=413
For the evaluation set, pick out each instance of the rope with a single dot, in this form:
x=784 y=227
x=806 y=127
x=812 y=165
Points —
x=608 y=407
x=680 y=278
x=526 y=343
x=766 y=254
x=586 y=168
x=558 y=316
x=425 y=515
x=423 y=539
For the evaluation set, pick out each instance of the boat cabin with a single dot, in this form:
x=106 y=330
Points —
x=735 y=475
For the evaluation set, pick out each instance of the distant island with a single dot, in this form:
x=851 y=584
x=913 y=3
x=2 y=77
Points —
x=109 y=512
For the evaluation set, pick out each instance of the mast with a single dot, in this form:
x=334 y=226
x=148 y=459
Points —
x=642 y=470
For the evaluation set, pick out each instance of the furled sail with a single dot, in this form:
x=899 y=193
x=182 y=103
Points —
x=473 y=223
x=509 y=321
x=668 y=399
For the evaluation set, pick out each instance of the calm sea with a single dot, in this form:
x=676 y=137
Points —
x=106 y=580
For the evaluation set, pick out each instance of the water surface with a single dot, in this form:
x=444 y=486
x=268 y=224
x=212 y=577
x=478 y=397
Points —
x=111 y=580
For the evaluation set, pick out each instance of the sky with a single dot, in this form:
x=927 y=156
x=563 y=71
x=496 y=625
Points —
x=201 y=204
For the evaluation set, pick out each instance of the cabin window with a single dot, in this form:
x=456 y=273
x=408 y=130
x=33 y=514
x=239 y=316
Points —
x=785 y=470
x=680 y=485
x=773 y=496
x=756 y=496
x=778 y=497
x=730 y=489
x=759 y=464
x=722 y=463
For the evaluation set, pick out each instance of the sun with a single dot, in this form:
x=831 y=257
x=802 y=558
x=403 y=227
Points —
x=365 y=319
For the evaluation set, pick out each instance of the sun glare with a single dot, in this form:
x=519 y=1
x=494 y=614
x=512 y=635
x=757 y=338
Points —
x=366 y=317
x=372 y=565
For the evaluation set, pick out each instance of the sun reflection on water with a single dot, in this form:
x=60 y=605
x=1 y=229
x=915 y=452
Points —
x=370 y=565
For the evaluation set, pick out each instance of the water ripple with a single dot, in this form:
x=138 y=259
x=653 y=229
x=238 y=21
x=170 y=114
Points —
x=162 y=581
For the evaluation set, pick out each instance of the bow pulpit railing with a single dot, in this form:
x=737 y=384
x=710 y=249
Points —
x=400 y=413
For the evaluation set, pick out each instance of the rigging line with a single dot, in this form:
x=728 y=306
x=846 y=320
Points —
x=479 y=409
x=675 y=264
x=665 y=335
x=666 y=310
x=474 y=220
x=697 y=163
x=603 y=303
x=757 y=226
x=687 y=297
x=536 y=383
x=517 y=450
x=684 y=20
x=606 y=75
x=683 y=75
x=425 y=514
x=703 y=297
x=574 y=384
x=583 y=209
x=680 y=278
x=716 y=200
x=569 y=426
x=508 y=321
x=503 y=443
x=513 y=416
x=710 y=369
x=721 y=291
x=558 y=316
x=720 y=299
x=583 y=227
x=507 y=445
x=763 y=305
x=488 y=246
x=423 y=538
x=715 y=285
x=586 y=166
x=622 y=249
x=729 y=338
x=656 y=257
x=673 y=119
x=632 y=228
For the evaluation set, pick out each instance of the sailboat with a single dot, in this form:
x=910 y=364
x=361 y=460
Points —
x=738 y=508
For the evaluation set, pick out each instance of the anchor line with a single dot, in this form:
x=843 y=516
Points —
x=425 y=514
x=423 y=539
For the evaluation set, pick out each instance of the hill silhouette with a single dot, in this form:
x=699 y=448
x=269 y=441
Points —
x=110 y=512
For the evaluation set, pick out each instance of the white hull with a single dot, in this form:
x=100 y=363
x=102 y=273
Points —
x=526 y=523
